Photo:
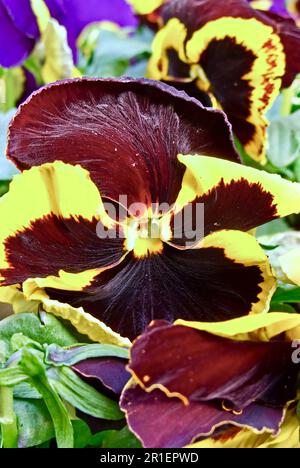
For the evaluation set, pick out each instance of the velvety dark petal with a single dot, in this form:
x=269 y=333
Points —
x=111 y=372
x=234 y=97
x=196 y=13
x=127 y=133
x=50 y=224
x=229 y=196
x=202 y=284
x=243 y=61
x=162 y=422
x=19 y=45
x=200 y=367
x=237 y=205
x=42 y=248
x=75 y=15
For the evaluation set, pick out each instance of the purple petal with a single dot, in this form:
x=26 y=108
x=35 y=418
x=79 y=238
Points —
x=163 y=422
x=75 y=15
x=23 y=17
x=203 y=367
x=19 y=46
x=111 y=372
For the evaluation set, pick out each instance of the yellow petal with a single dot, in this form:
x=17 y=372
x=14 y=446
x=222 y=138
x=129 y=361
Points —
x=261 y=327
x=204 y=173
x=287 y=438
x=58 y=188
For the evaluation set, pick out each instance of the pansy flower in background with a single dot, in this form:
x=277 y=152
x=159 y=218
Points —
x=151 y=8
x=98 y=141
x=193 y=381
x=239 y=56
x=43 y=37
x=19 y=25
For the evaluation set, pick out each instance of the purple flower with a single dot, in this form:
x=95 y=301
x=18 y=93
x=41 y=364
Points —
x=18 y=25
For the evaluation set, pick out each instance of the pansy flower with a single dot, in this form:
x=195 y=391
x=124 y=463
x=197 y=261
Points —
x=239 y=56
x=151 y=8
x=191 y=381
x=146 y=7
x=19 y=26
x=157 y=157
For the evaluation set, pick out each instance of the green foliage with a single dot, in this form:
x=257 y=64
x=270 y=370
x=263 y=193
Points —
x=82 y=396
x=290 y=296
x=44 y=328
x=114 y=439
x=38 y=389
x=284 y=140
x=35 y=425
x=57 y=356
x=115 y=52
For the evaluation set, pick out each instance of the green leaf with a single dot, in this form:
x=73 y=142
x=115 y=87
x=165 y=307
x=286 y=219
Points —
x=58 y=356
x=35 y=426
x=268 y=247
x=12 y=376
x=115 y=439
x=284 y=140
x=59 y=414
x=82 y=433
x=4 y=186
x=46 y=329
x=296 y=169
x=3 y=353
x=116 y=49
x=26 y=391
x=274 y=227
x=82 y=396
x=286 y=295
x=287 y=308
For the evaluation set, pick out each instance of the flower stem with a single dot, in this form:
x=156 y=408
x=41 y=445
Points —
x=8 y=419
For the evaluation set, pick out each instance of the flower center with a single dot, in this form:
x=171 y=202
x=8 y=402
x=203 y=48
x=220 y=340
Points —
x=146 y=236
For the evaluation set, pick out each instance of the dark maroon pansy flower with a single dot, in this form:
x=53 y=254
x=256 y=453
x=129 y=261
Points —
x=98 y=141
x=189 y=383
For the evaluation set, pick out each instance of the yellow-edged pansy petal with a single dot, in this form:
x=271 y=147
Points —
x=257 y=194
x=84 y=323
x=261 y=327
x=245 y=438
